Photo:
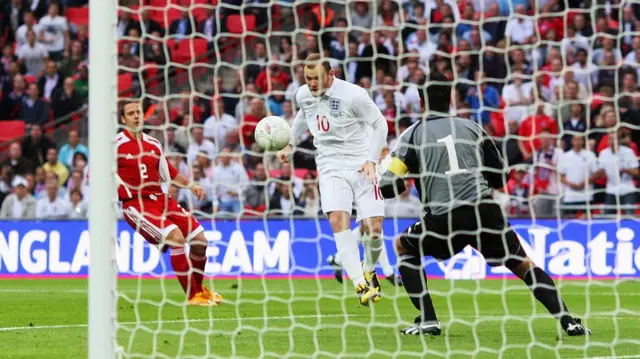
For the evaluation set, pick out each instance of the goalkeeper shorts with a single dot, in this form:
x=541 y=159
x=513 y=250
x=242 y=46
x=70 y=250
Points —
x=481 y=226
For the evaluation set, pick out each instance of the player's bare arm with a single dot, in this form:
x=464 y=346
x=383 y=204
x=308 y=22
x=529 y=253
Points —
x=196 y=189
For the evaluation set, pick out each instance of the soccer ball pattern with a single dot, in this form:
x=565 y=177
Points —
x=272 y=133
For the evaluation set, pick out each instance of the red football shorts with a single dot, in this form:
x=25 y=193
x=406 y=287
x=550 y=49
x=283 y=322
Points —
x=156 y=216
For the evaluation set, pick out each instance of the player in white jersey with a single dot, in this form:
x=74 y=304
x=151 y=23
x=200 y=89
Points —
x=349 y=132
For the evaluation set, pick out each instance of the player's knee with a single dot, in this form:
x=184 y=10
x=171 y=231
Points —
x=400 y=250
x=338 y=221
x=198 y=249
x=175 y=238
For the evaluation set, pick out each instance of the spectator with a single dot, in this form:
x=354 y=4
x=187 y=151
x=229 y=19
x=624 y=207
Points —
x=78 y=208
x=286 y=50
x=284 y=202
x=51 y=81
x=582 y=26
x=294 y=85
x=521 y=29
x=182 y=26
x=620 y=165
x=170 y=145
x=546 y=186
x=53 y=165
x=20 y=204
x=310 y=197
x=126 y=23
x=256 y=113
x=608 y=73
x=30 y=23
x=258 y=63
x=32 y=55
x=206 y=165
x=608 y=45
x=73 y=59
x=287 y=175
x=287 y=112
x=585 y=72
x=148 y=25
x=51 y=177
x=190 y=201
x=76 y=182
x=490 y=99
x=578 y=169
x=199 y=143
x=256 y=193
x=66 y=100
x=276 y=100
x=209 y=26
x=40 y=181
x=55 y=34
x=52 y=206
x=127 y=61
x=82 y=82
x=575 y=124
x=268 y=78
x=516 y=97
x=404 y=205
x=573 y=42
x=8 y=58
x=530 y=130
x=19 y=164
x=34 y=110
x=377 y=51
x=419 y=42
x=185 y=107
x=217 y=125
x=229 y=181
x=361 y=18
x=154 y=53
x=69 y=150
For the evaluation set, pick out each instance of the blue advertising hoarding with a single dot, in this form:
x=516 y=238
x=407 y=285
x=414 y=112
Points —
x=283 y=247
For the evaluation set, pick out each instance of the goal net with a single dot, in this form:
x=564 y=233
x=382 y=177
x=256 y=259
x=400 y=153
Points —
x=555 y=83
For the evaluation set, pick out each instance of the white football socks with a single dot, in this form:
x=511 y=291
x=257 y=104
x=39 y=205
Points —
x=372 y=249
x=383 y=260
x=349 y=256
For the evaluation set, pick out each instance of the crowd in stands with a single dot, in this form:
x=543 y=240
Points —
x=556 y=83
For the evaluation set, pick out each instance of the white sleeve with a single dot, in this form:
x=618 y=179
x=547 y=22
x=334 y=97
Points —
x=370 y=114
x=20 y=52
x=299 y=127
x=562 y=164
x=163 y=168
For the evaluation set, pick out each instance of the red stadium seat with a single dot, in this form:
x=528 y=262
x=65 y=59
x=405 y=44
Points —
x=188 y=50
x=300 y=172
x=235 y=26
x=151 y=75
x=125 y=84
x=134 y=12
x=78 y=15
x=11 y=130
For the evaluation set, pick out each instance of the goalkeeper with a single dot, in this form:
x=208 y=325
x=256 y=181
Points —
x=456 y=164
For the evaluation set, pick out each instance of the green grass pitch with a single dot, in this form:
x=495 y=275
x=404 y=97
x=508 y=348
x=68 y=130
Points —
x=319 y=319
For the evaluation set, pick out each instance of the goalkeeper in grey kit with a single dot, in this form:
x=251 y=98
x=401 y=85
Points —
x=455 y=165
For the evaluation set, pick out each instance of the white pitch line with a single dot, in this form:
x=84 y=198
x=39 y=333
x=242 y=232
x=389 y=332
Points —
x=613 y=357
x=67 y=326
x=207 y=320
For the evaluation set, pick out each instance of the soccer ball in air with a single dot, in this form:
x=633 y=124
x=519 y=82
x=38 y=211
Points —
x=272 y=133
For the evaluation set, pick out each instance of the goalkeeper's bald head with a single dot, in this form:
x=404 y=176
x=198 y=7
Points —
x=437 y=90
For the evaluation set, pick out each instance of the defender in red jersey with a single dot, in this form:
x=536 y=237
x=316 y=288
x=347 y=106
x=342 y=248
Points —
x=142 y=168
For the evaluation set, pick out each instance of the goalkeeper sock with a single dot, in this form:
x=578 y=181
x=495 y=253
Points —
x=182 y=268
x=545 y=291
x=198 y=264
x=415 y=283
x=372 y=248
x=349 y=253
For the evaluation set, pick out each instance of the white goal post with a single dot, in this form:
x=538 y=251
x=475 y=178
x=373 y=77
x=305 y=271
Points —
x=102 y=218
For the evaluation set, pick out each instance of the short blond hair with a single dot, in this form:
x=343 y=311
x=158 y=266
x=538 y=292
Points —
x=314 y=59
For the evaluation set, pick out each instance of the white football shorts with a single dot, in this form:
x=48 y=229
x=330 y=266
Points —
x=341 y=189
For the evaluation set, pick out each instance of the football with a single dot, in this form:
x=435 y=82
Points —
x=272 y=133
